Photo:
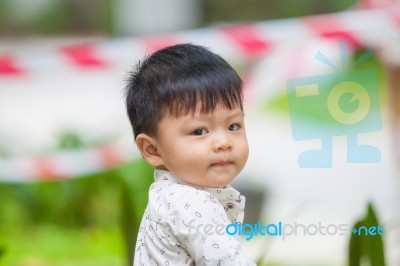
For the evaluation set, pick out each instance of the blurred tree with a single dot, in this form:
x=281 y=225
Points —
x=253 y=10
x=21 y=17
x=70 y=140
x=55 y=17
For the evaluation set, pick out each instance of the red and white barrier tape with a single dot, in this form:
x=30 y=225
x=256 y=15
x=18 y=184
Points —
x=238 y=43
x=64 y=164
x=367 y=28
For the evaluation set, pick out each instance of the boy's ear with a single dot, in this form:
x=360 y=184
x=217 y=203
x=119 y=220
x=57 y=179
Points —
x=148 y=148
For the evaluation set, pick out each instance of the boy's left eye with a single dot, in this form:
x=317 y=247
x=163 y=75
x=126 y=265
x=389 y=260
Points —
x=234 y=127
x=200 y=132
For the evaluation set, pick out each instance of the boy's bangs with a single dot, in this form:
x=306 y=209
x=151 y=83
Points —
x=186 y=97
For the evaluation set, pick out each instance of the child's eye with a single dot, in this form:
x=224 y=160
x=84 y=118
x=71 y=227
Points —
x=199 y=132
x=234 y=127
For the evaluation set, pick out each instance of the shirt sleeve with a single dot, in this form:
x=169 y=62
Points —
x=199 y=222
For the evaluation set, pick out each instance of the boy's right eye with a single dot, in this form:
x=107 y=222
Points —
x=200 y=132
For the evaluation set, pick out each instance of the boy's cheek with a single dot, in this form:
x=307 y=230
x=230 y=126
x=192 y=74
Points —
x=242 y=143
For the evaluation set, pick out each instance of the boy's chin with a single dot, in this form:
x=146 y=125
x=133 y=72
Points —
x=219 y=183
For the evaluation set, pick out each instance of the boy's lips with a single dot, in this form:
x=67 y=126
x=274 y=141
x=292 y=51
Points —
x=224 y=163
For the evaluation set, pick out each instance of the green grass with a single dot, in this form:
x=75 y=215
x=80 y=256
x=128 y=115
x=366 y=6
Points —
x=54 y=245
x=91 y=220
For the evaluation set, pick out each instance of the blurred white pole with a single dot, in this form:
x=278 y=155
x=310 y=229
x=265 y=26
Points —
x=155 y=16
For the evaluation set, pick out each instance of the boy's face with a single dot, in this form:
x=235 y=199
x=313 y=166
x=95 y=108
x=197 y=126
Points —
x=206 y=150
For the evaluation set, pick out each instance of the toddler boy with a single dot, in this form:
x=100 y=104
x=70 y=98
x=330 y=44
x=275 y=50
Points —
x=185 y=106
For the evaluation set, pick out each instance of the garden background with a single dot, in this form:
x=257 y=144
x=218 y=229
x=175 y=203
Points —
x=86 y=210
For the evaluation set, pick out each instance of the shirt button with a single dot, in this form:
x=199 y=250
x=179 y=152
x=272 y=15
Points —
x=230 y=205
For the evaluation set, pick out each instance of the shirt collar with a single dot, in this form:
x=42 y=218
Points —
x=230 y=198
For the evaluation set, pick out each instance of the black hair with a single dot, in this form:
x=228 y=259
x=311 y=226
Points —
x=174 y=80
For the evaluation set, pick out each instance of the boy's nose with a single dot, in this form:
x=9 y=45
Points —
x=222 y=143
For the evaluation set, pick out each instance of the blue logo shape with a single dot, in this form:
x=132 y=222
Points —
x=350 y=106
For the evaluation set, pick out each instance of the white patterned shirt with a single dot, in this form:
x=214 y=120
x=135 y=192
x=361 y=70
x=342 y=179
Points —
x=185 y=225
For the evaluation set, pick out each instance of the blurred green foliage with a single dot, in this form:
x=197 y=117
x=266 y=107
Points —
x=75 y=16
x=56 y=17
x=87 y=218
x=366 y=249
x=49 y=17
x=253 y=10
x=69 y=140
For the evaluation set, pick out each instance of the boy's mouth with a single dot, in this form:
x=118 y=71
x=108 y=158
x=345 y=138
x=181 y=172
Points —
x=222 y=164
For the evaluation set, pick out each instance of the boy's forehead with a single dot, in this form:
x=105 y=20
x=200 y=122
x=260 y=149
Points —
x=198 y=114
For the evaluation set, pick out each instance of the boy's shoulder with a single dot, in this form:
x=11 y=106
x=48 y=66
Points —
x=166 y=198
x=177 y=191
x=172 y=202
